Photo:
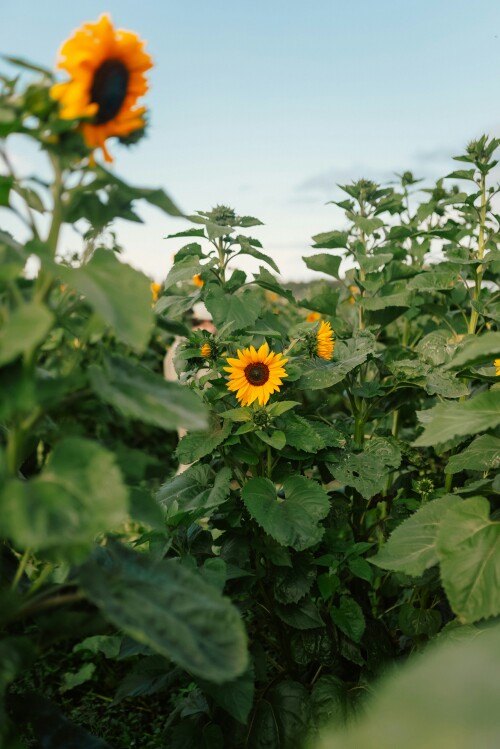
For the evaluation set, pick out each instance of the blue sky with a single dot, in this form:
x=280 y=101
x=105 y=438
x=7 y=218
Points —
x=266 y=105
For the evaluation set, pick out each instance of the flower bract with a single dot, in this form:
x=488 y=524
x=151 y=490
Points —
x=256 y=374
x=106 y=68
x=324 y=341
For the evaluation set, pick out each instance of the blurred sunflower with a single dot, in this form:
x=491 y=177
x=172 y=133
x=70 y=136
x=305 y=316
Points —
x=106 y=67
x=313 y=317
x=324 y=341
x=197 y=280
x=496 y=363
x=254 y=375
x=155 y=291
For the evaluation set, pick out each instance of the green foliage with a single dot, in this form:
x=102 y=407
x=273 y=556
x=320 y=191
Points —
x=246 y=580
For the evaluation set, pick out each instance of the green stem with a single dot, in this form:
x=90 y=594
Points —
x=480 y=254
x=269 y=463
x=22 y=566
x=359 y=430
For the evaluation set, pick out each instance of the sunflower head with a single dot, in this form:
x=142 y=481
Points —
x=324 y=341
x=106 y=68
x=223 y=215
x=255 y=375
x=496 y=363
x=197 y=280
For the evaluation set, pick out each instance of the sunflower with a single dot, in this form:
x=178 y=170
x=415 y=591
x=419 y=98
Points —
x=313 y=317
x=206 y=351
x=324 y=341
x=155 y=291
x=254 y=375
x=197 y=280
x=106 y=67
x=496 y=364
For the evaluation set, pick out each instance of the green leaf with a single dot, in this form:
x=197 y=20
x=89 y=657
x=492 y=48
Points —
x=237 y=414
x=72 y=679
x=248 y=249
x=475 y=350
x=318 y=373
x=349 y=618
x=449 y=420
x=6 y=183
x=26 y=327
x=431 y=702
x=141 y=394
x=411 y=548
x=241 y=309
x=235 y=697
x=276 y=439
x=79 y=494
x=280 y=407
x=415 y=622
x=150 y=675
x=433 y=280
x=468 y=547
x=196 y=445
x=364 y=471
x=367 y=225
x=462 y=174
x=267 y=281
x=294 y=520
x=108 y=645
x=331 y=240
x=324 y=263
x=281 y=719
x=302 y=615
x=373 y=263
x=291 y=584
x=153 y=196
x=325 y=302
x=118 y=293
x=329 y=701
x=483 y=454
x=200 y=631
x=197 y=489
x=301 y=434
x=187 y=233
x=183 y=270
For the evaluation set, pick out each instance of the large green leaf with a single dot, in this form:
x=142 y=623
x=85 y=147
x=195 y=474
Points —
x=241 y=309
x=365 y=472
x=468 y=547
x=196 y=445
x=141 y=394
x=349 y=618
x=411 y=548
x=170 y=608
x=319 y=374
x=302 y=615
x=268 y=281
x=24 y=329
x=483 y=454
x=445 y=698
x=449 y=420
x=331 y=240
x=433 y=280
x=183 y=270
x=324 y=263
x=79 y=494
x=118 y=293
x=293 y=521
x=301 y=433
x=235 y=697
x=281 y=718
x=197 y=489
x=247 y=248
x=325 y=302
x=475 y=349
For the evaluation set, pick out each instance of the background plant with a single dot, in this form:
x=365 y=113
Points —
x=312 y=542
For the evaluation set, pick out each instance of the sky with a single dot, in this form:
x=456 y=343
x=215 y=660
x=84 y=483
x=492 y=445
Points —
x=267 y=105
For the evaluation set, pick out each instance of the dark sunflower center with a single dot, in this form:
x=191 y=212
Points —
x=257 y=374
x=109 y=89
